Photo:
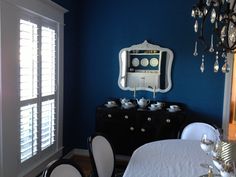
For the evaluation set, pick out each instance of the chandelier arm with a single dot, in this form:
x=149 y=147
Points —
x=216 y=29
x=233 y=47
x=227 y=34
x=233 y=6
x=227 y=46
x=201 y=35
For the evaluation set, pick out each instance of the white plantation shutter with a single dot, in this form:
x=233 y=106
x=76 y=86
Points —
x=48 y=61
x=48 y=124
x=37 y=88
x=28 y=131
x=28 y=60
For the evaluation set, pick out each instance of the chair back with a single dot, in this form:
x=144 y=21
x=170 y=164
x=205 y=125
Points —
x=194 y=131
x=63 y=168
x=101 y=155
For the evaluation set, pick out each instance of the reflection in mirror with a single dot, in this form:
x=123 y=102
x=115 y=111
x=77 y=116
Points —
x=145 y=67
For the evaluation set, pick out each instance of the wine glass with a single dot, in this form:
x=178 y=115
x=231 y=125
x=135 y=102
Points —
x=207 y=144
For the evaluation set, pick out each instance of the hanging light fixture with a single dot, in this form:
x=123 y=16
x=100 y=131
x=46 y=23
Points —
x=217 y=18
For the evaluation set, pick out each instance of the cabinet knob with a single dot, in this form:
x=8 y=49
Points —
x=149 y=119
x=168 y=120
x=109 y=115
x=143 y=130
x=131 y=128
x=126 y=116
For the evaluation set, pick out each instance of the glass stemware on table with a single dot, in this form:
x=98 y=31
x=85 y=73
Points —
x=207 y=144
x=225 y=167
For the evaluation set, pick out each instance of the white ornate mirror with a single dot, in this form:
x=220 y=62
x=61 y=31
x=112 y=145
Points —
x=145 y=67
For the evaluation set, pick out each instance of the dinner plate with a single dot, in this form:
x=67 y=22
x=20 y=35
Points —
x=154 y=108
x=144 y=62
x=128 y=106
x=135 y=62
x=154 y=62
x=173 y=110
x=111 y=105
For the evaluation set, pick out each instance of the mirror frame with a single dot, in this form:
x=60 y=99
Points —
x=146 y=46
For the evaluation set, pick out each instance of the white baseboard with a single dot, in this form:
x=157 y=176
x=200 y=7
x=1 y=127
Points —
x=84 y=152
x=76 y=151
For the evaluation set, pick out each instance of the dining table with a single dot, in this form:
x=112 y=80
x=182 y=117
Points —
x=169 y=158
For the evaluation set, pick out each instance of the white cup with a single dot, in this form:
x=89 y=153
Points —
x=154 y=105
x=174 y=107
x=160 y=104
x=124 y=100
x=128 y=104
x=111 y=102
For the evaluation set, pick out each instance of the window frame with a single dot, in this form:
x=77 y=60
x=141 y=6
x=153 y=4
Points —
x=10 y=12
x=40 y=21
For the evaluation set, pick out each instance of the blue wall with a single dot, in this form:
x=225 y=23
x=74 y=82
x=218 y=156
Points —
x=95 y=32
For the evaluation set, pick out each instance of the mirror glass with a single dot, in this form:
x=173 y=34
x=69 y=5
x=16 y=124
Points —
x=145 y=66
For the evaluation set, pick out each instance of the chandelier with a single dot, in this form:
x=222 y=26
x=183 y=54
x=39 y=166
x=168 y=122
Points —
x=217 y=20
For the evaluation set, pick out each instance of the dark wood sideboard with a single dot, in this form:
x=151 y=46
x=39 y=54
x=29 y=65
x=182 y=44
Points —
x=128 y=129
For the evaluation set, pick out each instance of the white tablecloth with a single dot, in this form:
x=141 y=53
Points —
x=168 y=158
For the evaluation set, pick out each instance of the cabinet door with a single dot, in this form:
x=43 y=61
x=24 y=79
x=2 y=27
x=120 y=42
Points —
x=171 y=123
x=125 y=140
x=118 y=125
x=147 y=124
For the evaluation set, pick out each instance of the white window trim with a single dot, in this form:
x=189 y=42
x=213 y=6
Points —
x=9 y=14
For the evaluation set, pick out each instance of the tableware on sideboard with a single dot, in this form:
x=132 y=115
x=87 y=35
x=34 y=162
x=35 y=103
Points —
x=173 y=110
x=111 y=104
x=143 y=102
x=174 y=107
x=154 y=107
x=161 y=104
x=124 y=100
x=128 y=105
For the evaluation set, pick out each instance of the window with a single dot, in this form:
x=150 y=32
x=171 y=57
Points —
x=31 y=85
x=37 y=87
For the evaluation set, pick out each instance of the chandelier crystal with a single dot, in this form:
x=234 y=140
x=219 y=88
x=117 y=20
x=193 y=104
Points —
x=215 y=26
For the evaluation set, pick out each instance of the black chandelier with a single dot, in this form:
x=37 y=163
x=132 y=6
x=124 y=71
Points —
x=217 y=18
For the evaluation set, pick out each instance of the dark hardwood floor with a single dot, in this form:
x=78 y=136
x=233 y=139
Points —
x=85 y=164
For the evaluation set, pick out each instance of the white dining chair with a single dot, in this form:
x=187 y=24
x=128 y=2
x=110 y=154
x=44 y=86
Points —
x=195 y=131
x=102 y=156
x=63 y=168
